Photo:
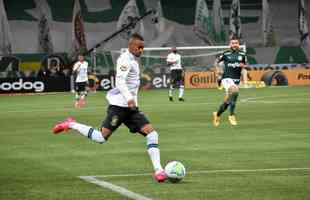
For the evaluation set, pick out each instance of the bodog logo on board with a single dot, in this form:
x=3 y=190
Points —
x=200 y=80
x=22 y=85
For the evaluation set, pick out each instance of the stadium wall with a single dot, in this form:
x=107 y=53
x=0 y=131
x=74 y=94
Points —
x=280 y=77
x=205 y=79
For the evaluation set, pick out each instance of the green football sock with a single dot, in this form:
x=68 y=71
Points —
x=222 y=108
x=232 y=102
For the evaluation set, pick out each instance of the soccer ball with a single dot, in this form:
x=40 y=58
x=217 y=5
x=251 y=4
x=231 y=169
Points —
x=175 y=171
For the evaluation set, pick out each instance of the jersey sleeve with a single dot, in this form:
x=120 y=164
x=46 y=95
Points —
x=245 y=59
x=179 y=60
x=122 y=69
x=220 y=59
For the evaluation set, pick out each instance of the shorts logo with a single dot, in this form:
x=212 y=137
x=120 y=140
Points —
x=114 y=120
x=123 y=68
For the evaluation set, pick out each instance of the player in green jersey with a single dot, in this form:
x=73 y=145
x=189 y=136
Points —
x=234 y=61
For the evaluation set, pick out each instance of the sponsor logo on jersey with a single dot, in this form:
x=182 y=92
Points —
x=123 y=68
x=114 y=120
x=234 y=65
x=240 y=58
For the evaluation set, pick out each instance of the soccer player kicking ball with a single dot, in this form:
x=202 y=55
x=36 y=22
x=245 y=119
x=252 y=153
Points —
x=123 y=107
x=234 y=61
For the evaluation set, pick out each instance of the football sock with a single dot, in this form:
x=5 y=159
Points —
x=233 y=101
x=77 y=96
x=171 y=91
x=222 y=108
x=181 y=91
x=88 y=131
x=153 y=151
x=83 y=94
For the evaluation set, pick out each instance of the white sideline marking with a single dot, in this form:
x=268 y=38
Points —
x=214 y=171
x=127 y=193
x=254 y=99
x=122 y=191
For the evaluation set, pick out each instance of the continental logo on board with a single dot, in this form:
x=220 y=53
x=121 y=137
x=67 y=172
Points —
x=200 y=80
x=298 y=76
x=302 y=76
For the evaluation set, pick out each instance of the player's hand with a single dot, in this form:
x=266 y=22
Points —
x=132 y=104
x=242 y=65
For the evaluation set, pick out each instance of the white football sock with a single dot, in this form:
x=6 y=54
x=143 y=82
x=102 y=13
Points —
x=153 y=151
x=181 y=91
x=83 y=94
x=171 y=91
x=88 y=131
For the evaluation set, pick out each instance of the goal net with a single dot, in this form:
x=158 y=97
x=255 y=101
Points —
x=155 y=73
x=195 y=58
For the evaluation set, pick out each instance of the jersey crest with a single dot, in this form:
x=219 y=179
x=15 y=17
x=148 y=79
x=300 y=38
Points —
x=123 y=68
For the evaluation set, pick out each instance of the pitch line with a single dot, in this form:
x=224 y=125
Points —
x=135 y=196
x=115 y=188
x=214 y=171
x=254 y=99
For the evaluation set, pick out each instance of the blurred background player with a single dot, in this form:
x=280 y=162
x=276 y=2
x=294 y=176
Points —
x=80 y=69
x=234 y=61
x=176 y=73
x=123 y=107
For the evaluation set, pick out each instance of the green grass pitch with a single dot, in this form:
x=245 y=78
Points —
x=273 y=133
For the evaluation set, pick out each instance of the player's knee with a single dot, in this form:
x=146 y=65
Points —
x=148 y=128
x=226 y=98
x=236 y=90
x=106 y=133
x=233 y=89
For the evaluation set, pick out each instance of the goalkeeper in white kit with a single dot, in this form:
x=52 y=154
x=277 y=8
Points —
x=81 y=70
x=176 y=74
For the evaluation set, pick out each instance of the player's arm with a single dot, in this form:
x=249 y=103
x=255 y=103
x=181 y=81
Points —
x=244 y=71
x=243 y=63
x=217 y=68
x=122 y=70
x=76 y=66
